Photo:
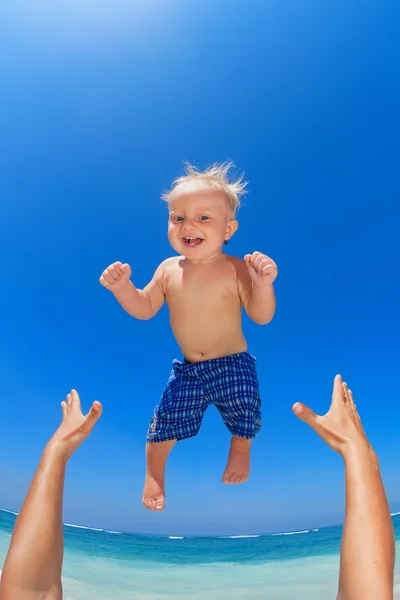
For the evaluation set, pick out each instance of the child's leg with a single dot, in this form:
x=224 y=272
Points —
x=156 y=460
x=177 y=416
x=238 y=467
x=237 y=397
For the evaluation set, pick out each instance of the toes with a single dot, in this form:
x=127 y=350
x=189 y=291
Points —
x=226 y=478
x=241 y=478
x=234 y=478
x=147 y=502
x=154 y=503
x=159 y=504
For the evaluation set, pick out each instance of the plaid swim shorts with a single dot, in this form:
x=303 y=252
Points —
x=230 y=383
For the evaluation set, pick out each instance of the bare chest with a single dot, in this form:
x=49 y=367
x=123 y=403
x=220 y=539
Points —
x=201 y=286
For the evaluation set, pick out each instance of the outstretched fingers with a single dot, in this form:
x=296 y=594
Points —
x=338 y=396
x=71 y=407
x=353 y=405
x=346 y=396
x=341 y=425
x=64 y=409
x=349 y=401
x=75 y=400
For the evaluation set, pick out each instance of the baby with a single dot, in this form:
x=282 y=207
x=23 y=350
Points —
x=205 y=290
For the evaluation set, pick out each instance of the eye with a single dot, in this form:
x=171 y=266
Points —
x=204 y=218
x=178 y=219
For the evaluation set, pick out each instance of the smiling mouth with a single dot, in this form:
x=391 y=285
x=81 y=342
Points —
x=192 y=241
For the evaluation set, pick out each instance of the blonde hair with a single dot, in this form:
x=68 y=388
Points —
x=217 y=177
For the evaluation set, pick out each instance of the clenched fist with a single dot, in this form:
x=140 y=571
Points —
x=262 y=269
x=116 y=276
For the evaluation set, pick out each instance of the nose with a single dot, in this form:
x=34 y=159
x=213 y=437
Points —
x=188 y=225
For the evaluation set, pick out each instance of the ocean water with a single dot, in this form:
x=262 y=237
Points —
x=111 y=565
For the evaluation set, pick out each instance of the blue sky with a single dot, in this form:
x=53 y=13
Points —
x=100 y=105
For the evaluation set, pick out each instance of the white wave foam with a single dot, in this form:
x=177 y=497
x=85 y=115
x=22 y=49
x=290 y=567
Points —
x=292 y=532
x=82 y=527
x=394 y=514
x=315 y=530
x=114 y=532
x=175 y=537
x=238 y=537
x=11 y=512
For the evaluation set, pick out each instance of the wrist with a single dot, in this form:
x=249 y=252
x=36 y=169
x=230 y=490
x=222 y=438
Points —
x=263 y=285
x=360 y=453
x=55 y=453
x=122 y=291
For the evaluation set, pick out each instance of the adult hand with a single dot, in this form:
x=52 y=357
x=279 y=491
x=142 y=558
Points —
x=32 y=570
x=75 y=426
x=341 y=427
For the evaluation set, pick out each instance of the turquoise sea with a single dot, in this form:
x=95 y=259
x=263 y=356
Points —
x=111 y=565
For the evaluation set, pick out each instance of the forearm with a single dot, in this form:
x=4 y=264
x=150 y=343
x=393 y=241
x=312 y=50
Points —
x=262 y=303
x=32 y=570
x=134 y=301
x=368 y=545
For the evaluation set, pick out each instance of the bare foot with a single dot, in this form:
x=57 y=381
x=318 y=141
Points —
x=153 y=493
x=238 y=467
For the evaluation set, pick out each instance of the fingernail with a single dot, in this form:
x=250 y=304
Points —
x=299 y=409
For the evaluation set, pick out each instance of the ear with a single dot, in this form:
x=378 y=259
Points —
x=231 y=228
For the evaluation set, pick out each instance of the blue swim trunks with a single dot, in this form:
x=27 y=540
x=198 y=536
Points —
x=230 y=383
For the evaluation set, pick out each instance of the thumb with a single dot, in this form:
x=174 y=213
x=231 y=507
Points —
x=247 y=258
x=305 y=414
x=93 y=416
x=125 y=268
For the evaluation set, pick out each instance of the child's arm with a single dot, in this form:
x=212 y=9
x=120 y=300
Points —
x=256 y=290
x=141 y=304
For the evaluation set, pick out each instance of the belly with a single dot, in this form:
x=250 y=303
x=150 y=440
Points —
x=207 y=333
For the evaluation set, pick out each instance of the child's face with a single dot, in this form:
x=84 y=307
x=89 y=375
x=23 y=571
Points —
x=200 y=221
